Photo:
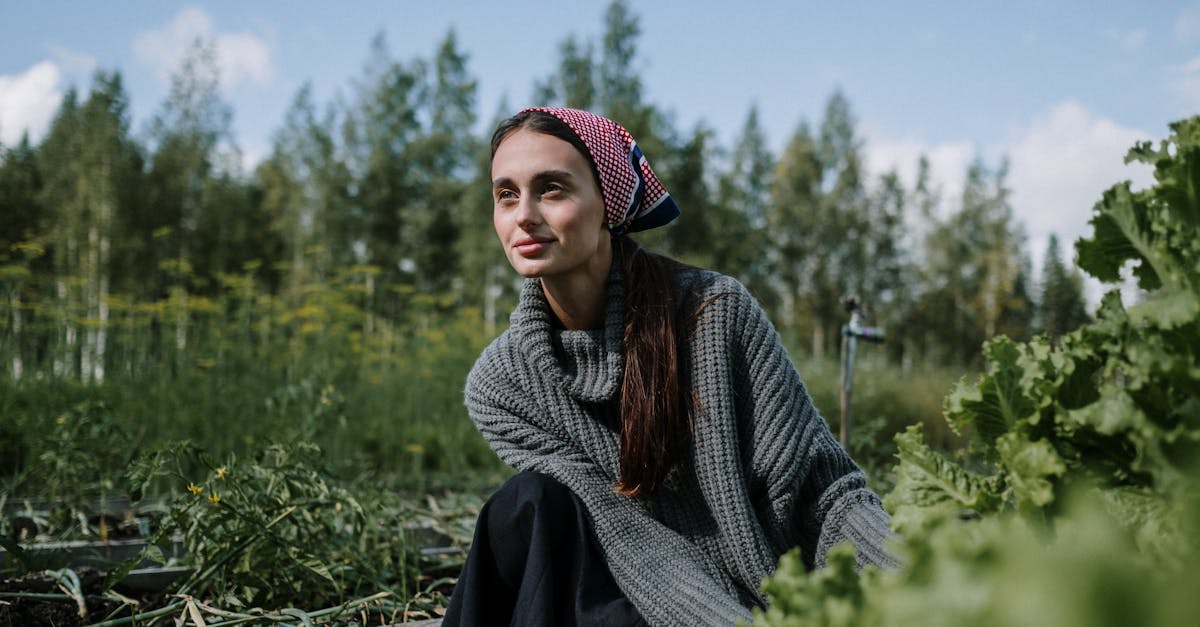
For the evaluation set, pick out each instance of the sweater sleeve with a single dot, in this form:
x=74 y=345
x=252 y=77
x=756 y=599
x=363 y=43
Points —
x=662 y=573
x=818 y=494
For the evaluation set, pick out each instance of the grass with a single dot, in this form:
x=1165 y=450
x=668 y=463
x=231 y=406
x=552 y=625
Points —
x=381 y=400
x=885 y=400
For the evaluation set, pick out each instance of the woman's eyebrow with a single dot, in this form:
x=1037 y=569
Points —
x=540 y=177
x=552 y=175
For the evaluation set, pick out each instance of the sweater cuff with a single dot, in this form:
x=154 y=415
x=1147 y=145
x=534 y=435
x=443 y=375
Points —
x=859 y=518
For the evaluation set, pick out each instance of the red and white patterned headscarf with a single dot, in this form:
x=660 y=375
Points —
x=634 y=199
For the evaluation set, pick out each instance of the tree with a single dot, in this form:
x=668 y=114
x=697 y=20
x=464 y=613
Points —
x=973 y=268
x=20 y=187
x=305 y=186
x=792 y=225
x=744 y=194
x=844 y=220
x=443 y=156
x=23 y=234
x=1063 y=308
x=620 y=88
x=691 y=236
x=380 y=133
x=92 y=167
x=488 y=281
x=186 y=132
x=574 y=84
x=887 y=287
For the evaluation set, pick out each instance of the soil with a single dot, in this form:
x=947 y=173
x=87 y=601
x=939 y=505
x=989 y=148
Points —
x=20 y=612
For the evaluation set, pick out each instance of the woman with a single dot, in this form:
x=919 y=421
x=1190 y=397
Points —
x=669 y=453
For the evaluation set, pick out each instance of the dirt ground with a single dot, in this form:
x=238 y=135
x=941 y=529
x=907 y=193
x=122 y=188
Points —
x=20 y=612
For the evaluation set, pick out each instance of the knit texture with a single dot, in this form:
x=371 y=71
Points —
x=764 y=474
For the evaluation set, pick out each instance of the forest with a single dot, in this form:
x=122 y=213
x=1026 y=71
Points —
x=383 y=193
x=169 y=316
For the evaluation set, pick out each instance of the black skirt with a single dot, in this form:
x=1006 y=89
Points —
x=534 y=561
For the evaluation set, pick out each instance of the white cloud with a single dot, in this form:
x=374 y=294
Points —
x=244 y=57
x=1128 y=39
x=1184 y=81
x=241 y=57
x=72 y=63
x=948 y=161
x=1187 y=24
x=1059 y=165
x=28 y=102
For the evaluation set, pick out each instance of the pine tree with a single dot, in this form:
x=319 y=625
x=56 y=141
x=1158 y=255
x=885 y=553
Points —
x=691 y=237
x=973 y=263
x=887 y=294
x=20 y=186
x=1063 y=308
x=23 y=264
x=742 y=214
x=443 y=157
x=193 y=122
x=792 y=225
x=380 y=133
x=574 y=83
x=839 y=222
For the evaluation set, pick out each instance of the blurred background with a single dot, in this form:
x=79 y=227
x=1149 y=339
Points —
x=244 y=222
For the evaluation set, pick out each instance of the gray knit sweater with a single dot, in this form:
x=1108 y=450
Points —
x=764 y=473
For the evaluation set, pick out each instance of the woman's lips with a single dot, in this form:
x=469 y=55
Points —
x=532 y=246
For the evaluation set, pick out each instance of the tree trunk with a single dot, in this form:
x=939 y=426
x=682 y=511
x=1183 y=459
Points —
x=15 y=307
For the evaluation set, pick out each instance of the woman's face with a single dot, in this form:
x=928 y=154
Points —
x=548 y=210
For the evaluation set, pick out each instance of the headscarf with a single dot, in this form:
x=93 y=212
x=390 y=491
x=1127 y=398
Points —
x=634 y=198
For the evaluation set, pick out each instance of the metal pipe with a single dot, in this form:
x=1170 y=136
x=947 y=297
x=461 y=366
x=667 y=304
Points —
x=851 y=332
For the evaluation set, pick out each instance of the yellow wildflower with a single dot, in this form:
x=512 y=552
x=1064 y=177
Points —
x=221 y=472
x=214 y=498
x=195 y=489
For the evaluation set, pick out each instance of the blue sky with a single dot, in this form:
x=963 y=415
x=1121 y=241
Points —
x=1060 y=88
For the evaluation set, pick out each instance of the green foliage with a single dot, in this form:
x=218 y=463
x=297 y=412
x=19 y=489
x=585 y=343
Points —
x=277 y=531
x=1083 y=457
x=1062 y=304
x=76 y=451
x=251 y=368
x=1000 y=571
x=887 y=400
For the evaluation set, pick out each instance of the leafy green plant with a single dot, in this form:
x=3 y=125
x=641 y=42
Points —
x=277 y=531
x=1076 y=502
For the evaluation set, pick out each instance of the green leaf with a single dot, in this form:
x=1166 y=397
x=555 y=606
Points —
x=153 y=553
x=1110 y=246
x=1111 y=414
x=1029 y=468
x=830 y=596
x=996 y=402
x=1168 y=311
x=17 y=552
x=926 y=480
x=317 y=568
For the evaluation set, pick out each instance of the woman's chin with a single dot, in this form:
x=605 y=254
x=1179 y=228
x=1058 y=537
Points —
x=528 y=269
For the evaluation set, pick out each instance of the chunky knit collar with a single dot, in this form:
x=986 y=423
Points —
x=586 y=364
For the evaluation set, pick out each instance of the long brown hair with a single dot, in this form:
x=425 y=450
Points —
x=656 y=427
x=655 y=418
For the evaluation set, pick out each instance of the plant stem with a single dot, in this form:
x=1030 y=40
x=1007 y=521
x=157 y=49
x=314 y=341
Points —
x=144 y=616
x=40 y=596
x=212 y=568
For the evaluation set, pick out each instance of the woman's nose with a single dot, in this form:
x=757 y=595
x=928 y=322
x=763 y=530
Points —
x=528 y=213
